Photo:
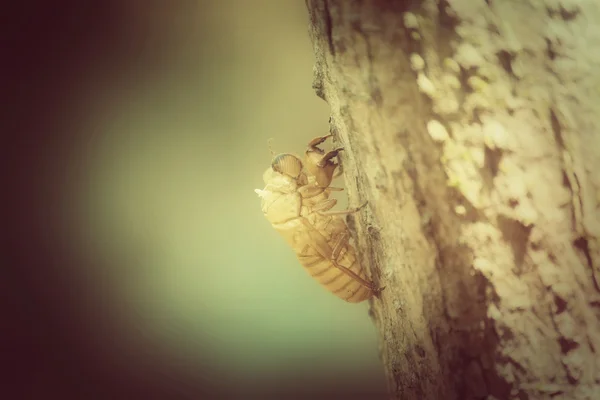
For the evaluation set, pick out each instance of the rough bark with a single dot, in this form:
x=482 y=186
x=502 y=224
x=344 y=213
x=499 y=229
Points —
x=473 y=130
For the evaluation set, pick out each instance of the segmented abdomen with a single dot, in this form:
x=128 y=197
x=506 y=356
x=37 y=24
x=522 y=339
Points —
x=335 y=280
x=313 y=238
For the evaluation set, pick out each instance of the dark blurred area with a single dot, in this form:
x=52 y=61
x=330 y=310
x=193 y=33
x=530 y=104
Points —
x=65 y=334
x=62 y=338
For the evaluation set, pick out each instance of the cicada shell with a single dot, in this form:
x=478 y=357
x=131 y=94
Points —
x=296 y=201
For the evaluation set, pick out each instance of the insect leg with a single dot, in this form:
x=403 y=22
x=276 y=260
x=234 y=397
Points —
x=343 y=212
x=328 y=156
x=308 y=191
x=354 y=275
x=339 y=171
x=340 y=244
x=319 y=243
x=324 y=205
x=377 y=292
x=318 y=140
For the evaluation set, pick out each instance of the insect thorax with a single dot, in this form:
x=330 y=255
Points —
x=280 y=207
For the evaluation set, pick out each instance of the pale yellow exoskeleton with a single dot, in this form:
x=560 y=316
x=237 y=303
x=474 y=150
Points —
x=296 y=202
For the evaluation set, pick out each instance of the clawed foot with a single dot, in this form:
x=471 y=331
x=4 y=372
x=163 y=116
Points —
x=325 y=159
x=377 y=292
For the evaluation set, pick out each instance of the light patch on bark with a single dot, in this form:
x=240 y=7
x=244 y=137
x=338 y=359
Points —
x=473 y=130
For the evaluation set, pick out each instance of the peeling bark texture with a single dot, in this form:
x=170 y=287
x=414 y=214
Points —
x=473 y=130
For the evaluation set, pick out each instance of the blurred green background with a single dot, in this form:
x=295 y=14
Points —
x=159 y=198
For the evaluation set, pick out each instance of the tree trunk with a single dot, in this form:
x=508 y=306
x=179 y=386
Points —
x=473 y=130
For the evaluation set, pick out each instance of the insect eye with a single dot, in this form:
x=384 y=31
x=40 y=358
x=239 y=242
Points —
x=287 y=164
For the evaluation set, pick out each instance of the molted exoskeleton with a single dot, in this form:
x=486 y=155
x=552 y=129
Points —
x=298 y=206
